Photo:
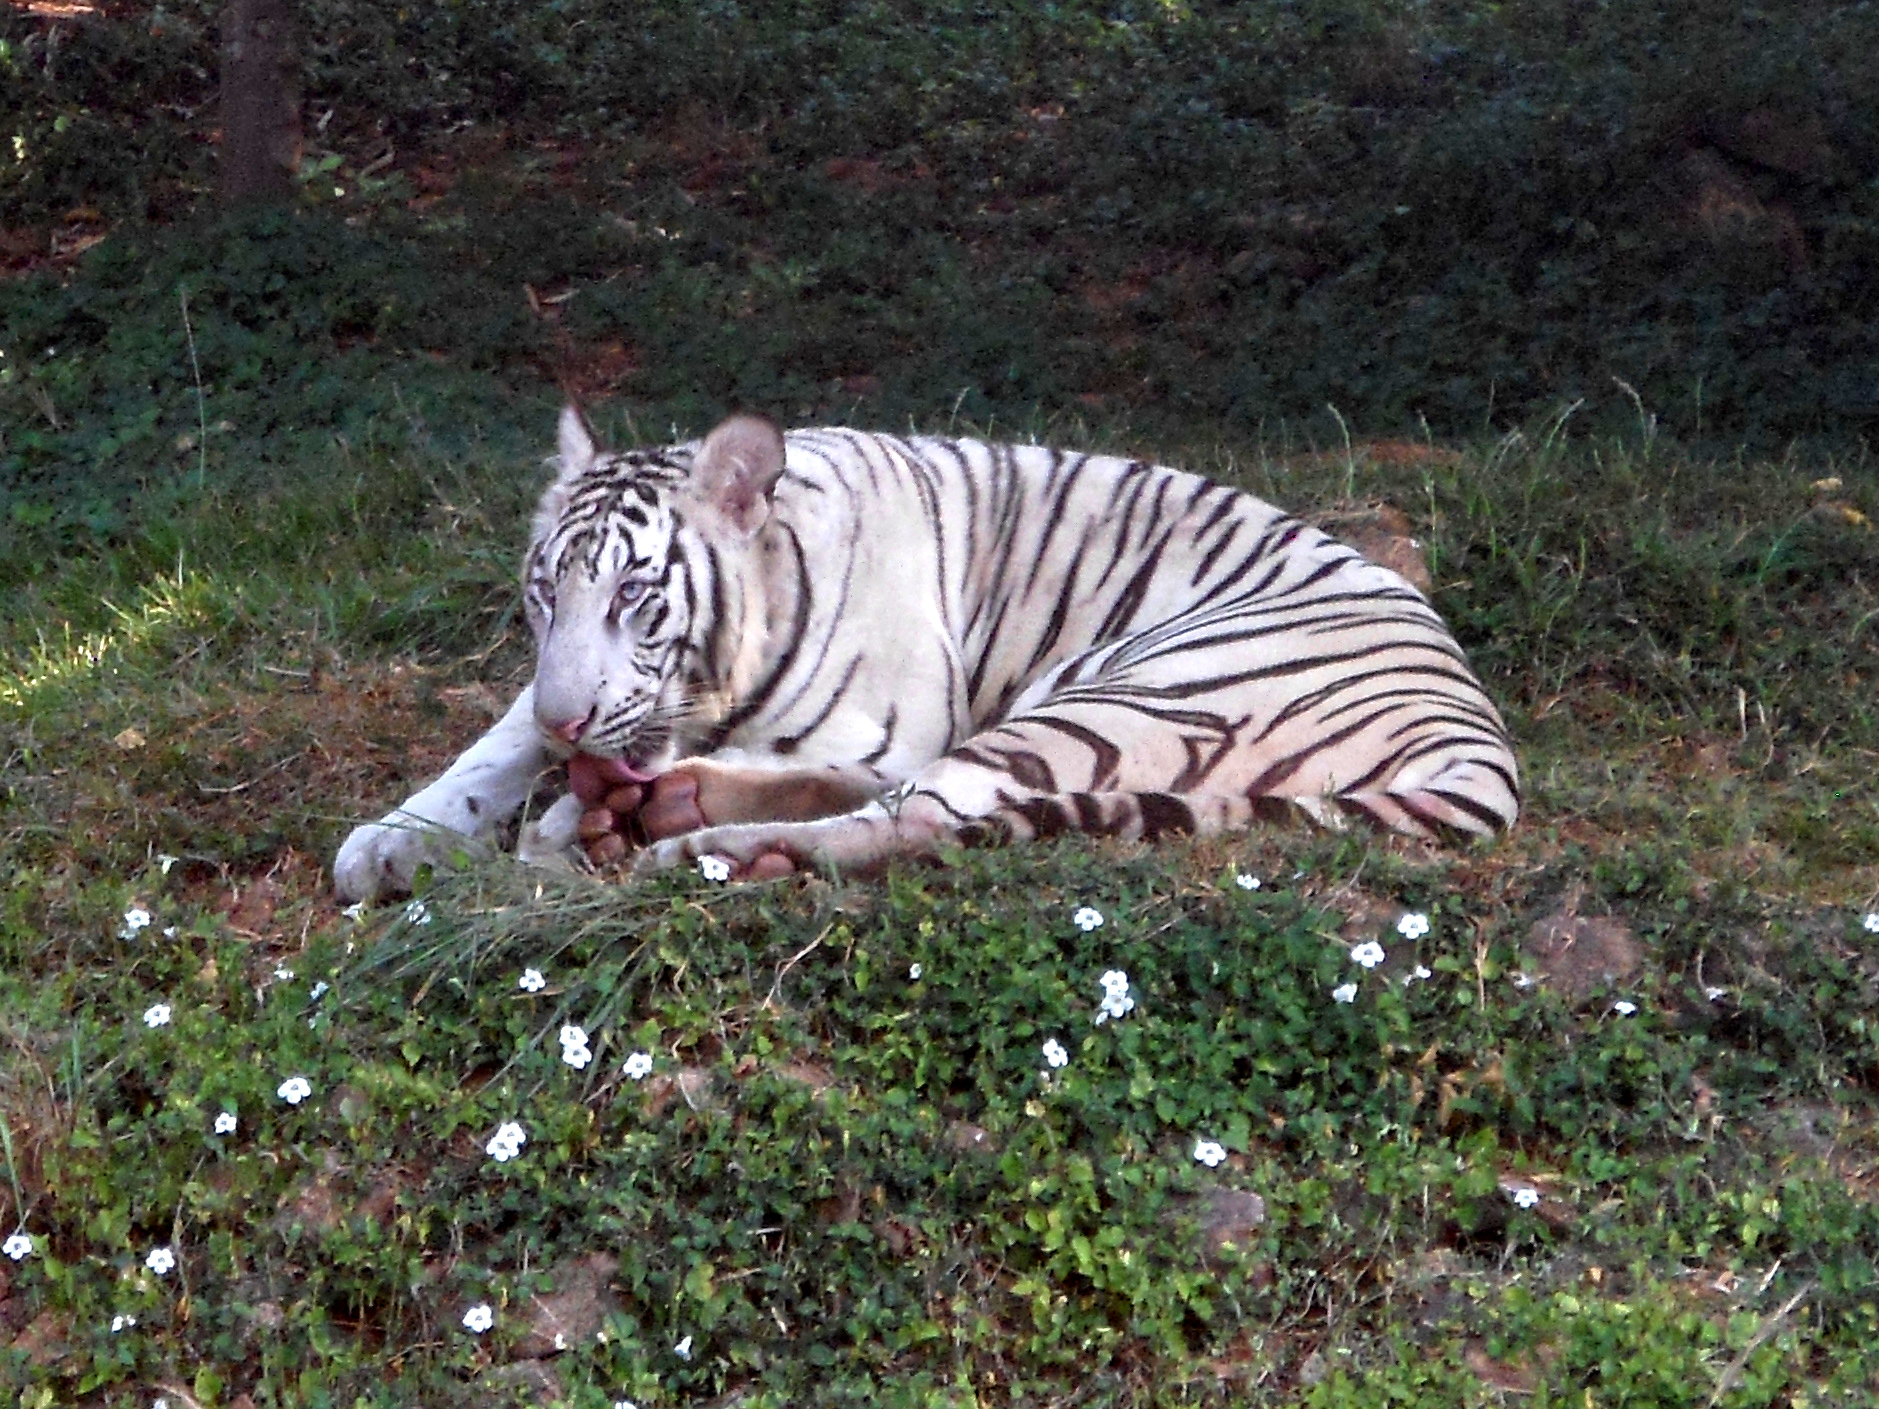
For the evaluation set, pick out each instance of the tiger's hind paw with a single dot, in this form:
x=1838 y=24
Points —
x=718 y=857
x=771 y=866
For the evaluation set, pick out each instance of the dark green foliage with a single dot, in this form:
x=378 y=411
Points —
x=307 y=336
x=1244 y=214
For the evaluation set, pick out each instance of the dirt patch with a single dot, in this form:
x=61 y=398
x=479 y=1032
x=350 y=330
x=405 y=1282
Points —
x=872 y=176
x=1581 y=955
x=1383 y=534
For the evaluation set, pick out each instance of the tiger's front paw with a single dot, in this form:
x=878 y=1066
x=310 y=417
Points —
x=384 y=857
x=624 y=810
x=553 y=839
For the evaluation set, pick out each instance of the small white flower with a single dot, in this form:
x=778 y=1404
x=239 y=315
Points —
x=914 y=971
x=354 y=912
x=1055 y=1054
x=574 y=1046
x=319 y=990
x=507 y=1142
x=1414 y=925
x=624 y=1404
x=1209 y=1152
x=1524 y=1195
x=1715 y=995
x=160 y=1402
x=1419 y=972
x=294 y=1090
x=1345 y=993
x=418 y=913
x=18 y=1247
x=161 y=1261
x=683 y=1349
x=1115 y=1008
x=1871 y=922
x=1088 y=918
x=714 y=868
x=1246 y=880
x=283 y=974
x=122 y=1323
x=1117 y=1000
x=225 y=1123
x=135 y=919
x=1624 y=1007
x=157 y=1015
x=1369 y=954
x=638 y=1066
x=531 y=981
x=478 y=1318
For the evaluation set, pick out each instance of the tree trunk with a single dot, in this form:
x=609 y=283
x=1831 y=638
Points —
x=260 y=101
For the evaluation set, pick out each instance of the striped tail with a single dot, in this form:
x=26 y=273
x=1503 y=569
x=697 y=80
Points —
x=1445 y=814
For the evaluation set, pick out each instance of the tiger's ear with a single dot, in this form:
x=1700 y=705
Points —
x=576 y=449
x=736 y=471
x=575 y=446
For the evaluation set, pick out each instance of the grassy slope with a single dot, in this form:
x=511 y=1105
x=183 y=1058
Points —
x=843 y=1183
x=791 y=1189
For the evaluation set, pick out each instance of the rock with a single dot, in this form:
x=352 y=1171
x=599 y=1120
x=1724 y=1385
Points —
x=697 y=1087
x=1579 y=955
x=1224 y=1219
x=573 y=1313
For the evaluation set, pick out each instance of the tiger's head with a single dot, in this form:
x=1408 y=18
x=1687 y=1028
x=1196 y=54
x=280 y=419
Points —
x=636 y=587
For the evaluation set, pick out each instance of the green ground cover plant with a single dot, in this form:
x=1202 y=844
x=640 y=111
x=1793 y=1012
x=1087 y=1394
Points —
x=1451 y=216
x=1586 y=1119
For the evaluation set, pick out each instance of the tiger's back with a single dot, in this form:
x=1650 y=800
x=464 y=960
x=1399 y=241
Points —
x=1111 y=626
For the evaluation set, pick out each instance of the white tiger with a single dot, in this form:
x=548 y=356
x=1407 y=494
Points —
x=834 y=647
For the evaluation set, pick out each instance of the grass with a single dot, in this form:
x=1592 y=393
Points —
x=1616 y=1148
x=846 y=1183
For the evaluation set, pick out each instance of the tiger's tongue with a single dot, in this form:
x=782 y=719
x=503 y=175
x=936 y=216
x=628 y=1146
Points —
x=617 y=770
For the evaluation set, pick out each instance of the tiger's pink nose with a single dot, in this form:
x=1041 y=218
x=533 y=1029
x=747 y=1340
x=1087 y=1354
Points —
x=569 y=731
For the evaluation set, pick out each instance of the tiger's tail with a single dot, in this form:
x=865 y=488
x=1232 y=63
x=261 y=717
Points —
x=1434 y=812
